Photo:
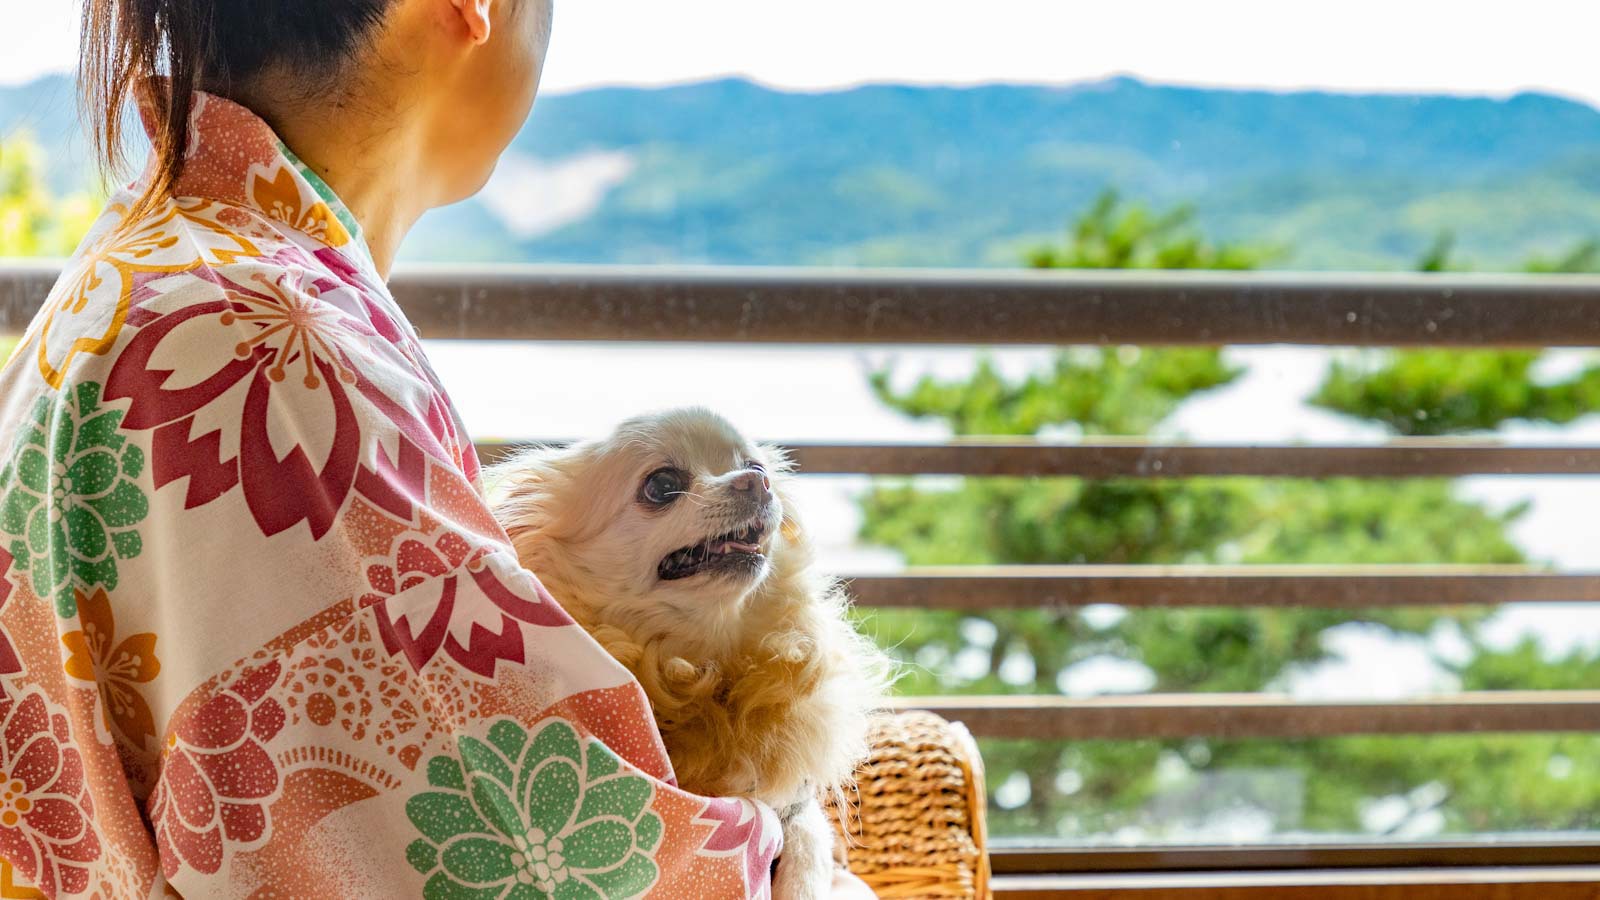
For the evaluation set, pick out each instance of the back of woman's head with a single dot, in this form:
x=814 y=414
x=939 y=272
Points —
x=158 y=52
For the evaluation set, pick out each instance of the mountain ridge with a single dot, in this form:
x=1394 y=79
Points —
x=730 y=171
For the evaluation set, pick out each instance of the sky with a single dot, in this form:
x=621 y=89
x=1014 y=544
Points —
x=1456 y=46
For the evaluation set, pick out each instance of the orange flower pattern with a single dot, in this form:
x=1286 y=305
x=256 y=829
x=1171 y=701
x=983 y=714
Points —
x=259 y=633
x=118 y=669
x=278 y=193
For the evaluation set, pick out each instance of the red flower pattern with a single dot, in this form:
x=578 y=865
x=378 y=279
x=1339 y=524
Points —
x=304 y=335
x=468 y=597
x=217 y=778
x=46 y=814
x=741 y=832
x=10 y=662
x=280 y=492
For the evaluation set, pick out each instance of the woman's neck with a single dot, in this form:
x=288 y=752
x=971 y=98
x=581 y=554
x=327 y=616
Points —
x=366 y=152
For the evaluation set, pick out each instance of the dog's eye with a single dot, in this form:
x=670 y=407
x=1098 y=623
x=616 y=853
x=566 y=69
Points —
x=663 y=487
x=752 y=464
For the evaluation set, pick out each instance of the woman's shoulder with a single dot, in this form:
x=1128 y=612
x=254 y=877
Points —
x=133 y=264
x=203 y=310
x=187 y=259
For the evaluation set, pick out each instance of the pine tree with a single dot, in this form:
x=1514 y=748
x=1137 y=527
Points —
x=1089 y=789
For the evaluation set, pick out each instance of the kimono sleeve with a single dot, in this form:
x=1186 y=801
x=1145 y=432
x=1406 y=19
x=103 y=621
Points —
x=337 y=768
x=367 y=695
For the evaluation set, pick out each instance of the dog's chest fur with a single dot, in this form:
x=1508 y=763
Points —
x=761 y=721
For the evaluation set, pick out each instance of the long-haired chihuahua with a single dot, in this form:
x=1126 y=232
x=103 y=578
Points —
x=674 y=544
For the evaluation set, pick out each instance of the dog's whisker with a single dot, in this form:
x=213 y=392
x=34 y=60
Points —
x=701 y=502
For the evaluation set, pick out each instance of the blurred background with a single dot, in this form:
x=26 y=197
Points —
x=1226 y=134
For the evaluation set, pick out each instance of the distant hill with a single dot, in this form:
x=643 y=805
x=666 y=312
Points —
x=732 y=172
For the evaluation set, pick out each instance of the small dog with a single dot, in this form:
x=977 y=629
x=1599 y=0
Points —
x=672 y=542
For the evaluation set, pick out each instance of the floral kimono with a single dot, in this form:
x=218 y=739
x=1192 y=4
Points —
x=259 y=634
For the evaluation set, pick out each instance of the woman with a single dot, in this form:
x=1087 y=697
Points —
x=258 y=632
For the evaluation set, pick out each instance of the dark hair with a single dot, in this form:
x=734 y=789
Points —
x=216 y=45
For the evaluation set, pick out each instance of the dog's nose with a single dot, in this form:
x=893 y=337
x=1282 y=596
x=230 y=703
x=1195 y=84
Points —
x=745 y=482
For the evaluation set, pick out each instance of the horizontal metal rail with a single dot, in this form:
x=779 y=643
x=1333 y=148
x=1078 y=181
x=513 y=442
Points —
x=1332 y=587
x=1240 y=716
x=1441 y=458
x=1491 y=850
x=1476 y=883
x=977 y=307
x=23 y=287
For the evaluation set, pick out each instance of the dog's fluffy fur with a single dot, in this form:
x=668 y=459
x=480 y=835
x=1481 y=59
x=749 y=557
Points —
x=759 y=684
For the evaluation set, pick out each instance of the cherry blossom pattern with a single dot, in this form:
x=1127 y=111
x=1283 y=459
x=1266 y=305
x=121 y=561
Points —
x=89 y=306
x=277 y=193
x=72 y=502
x=294 y=393
x=742 y=830
x=330 y=200
x=432 y=589
x=294 y=324
x=283 y=339
x=218 y=781
x=46 y=814
x=116 y=668
x=546 y=815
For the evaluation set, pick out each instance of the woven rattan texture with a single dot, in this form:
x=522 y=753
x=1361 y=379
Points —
x=915 y=825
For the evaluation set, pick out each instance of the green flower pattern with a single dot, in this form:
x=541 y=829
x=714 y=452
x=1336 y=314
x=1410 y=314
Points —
x=72 y=500
x=547 y=816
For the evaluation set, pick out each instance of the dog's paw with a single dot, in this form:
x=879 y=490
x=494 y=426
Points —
x=805 y=871
x=801 y=880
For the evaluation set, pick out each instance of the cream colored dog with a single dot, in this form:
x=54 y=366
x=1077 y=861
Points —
x=673 y=543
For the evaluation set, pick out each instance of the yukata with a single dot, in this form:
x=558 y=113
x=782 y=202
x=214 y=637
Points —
x=259 y=634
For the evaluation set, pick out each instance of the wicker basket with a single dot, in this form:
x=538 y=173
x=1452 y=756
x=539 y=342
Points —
x=917 y=828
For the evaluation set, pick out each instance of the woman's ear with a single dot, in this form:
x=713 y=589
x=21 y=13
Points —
x=475 y=16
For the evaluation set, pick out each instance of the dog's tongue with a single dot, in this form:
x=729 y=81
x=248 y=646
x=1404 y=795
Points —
x=739 y=547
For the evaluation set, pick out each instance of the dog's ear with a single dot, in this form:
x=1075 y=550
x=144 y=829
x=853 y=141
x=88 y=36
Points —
x=561 y=495
x=524 y=488
x=531 y=495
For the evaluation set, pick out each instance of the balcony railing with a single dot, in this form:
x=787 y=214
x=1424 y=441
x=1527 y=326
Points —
x=823 y=307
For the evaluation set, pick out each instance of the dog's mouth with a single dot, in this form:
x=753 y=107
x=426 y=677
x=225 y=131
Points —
x=732 y=553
